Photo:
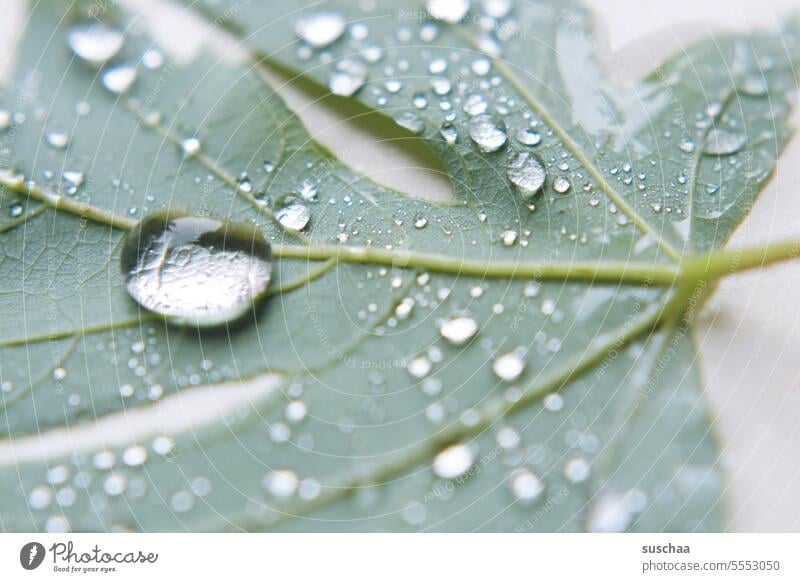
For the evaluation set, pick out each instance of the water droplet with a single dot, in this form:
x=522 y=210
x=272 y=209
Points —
x=722 y=142
x=481 y=67
x=190 y=146
x=348 y=77
x=448 y=10
x=496 y=8
x=244 y=184
x=577 y=470
x=5 y=119
x=526 y=486
x=528 y=137
x=561 y=185
x=508 y=237
x=197 y=270
x=686 y=146
x=115 y=485
x=94 y=43
x=296 y=411
x=420 y=222
x=475 y=105
x=119 y=79
x=488 y=134
x=134 y=456
x=393 y=85
x=553 y=402
x=508 y=367
x=58 y=140
x=40 y=497
x=411 y=121
x=441 y=86
x=613 y=513
x=459 y=330
x=291 y=211
x=280 y=483
x=454 y=461
x=449 y=132
x=320 y=29
x=526 y=171
x=419 y=367
x=15 y=210
x=152 y=59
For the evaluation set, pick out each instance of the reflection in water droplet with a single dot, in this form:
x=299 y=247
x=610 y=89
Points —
x=94 y=43
x=487 y=133
x=448 y=10
x=453 y=461
x=320 y=29
x=348 y=77
x=509 y=366
x=291 y=211
x=527 y=173
x=196 y=270
x=722 y=142
x=459 y=330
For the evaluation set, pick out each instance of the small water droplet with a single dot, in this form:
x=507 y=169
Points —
x=15 y=210
x=722 y=142
x=134 y=456
x=526 y=171
x=196 y=270
x=508 y=367
x=281 y=483
x=348 y=77
x=508 y=237
x=5 y=119
x=190 y=146
x=525 y=486
x=448 y=10
x=528 y=137
x=561 y=185
x=291 y=211
x=454 y=461
x=419 y=367
x=458 y=330
x=58 y=140
x=475 y=105
x=119 y=79
x=320 y=29
x=488 y=134
x=577 y=470
x=449 y=132
x=411 y=121
x=94 y=43
x=420 y=222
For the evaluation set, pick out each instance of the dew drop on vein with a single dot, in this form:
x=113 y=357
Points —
x=196 y=270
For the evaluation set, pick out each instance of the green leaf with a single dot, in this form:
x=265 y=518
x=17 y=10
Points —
x=594 y=288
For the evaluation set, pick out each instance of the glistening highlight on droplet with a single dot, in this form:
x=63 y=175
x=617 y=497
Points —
x=196 y=270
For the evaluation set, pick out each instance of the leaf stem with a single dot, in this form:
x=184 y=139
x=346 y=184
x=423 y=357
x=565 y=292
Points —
x=616 y=271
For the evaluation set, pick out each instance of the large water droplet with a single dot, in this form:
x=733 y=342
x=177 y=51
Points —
x=196 y=270
x=320 y=29
x=448 y=10
x=348 y=77
x=291 y=211
x=526 y=171
x=487 y=133
x=459 y=330
x=722 y=142
x=453 y=461
x=94 y=43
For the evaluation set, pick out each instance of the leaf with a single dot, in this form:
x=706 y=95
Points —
x=594 y=290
